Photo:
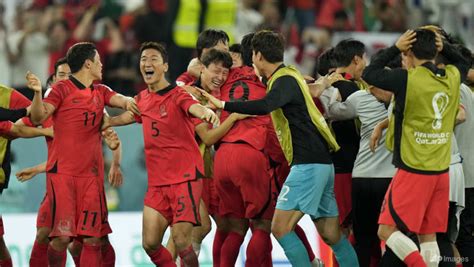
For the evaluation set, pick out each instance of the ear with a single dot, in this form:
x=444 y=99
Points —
x=165 y=67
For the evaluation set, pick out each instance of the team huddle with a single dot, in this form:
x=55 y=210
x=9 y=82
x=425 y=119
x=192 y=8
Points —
x=371 y=153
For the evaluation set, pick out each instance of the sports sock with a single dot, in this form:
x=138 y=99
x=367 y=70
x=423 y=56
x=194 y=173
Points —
x=230 y=249
x=108 y=255
x=189 y=257
x=294 y=250
x=219 y=239
x=430 y=253
x=91 y=255
x=56 y=258
x=257 y=248
x=39 y=255
x=345 y=253
x=302 y=236
x=161 y=257
x=405 y=249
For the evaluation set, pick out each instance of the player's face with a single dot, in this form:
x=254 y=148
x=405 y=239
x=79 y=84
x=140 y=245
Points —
x=236 y=59
x=257 y=63
x=152 y=66
x=360 y=63
x=62 y=73
x=96 y=67
x=214 y=76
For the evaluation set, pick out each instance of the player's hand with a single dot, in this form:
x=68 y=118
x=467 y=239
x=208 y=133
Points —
x=33 y=82
x=132 y=106
x=333 y=77
x=111 y=138
x=195 y=67
x=308 y=79
x=212 y=99
x=405 y=41
x=105 y=123
x=26 y=174
x=193 y=91
x=210 y=117
x=375 y=138
x=49 y=132
x=115 y=175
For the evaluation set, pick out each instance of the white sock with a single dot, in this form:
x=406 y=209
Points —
x=401 y=245
x=197 y=248
x=430 y=253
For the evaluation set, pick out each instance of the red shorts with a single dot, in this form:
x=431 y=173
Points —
x=243 y=182
x=44 y=219
x=176 y=202
x=210 y=196
x=417 y=203
x=2 y=232
x=78 y=206
x=343 y=193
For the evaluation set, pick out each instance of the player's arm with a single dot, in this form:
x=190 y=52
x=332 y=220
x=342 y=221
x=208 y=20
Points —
x=13 y=114
x=125 y=103
x=461 y=116
x=342 y=110
x=28 y=173
x=211 y=136
x=280 y=95
x=113 y=142
x=39 y=110
x=29 y=132
x=317 y=88
x=203 y=113
x=125 y=118
x=377 y=134
x=392 y=80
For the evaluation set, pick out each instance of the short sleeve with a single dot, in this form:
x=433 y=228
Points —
x=107 y=93
x=5 y=127
x=27 y=121
x=18 y=101
x=56 y=95
x=138 y=118
x=184 y=100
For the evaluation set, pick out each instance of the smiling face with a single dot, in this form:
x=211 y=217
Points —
x=214 y=76
x=62 y=73
x=152 y=66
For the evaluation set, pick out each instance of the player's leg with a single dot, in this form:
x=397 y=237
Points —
x=156 y=218
x=200 y=232
x=222 y=231
x=39 y=252
x=75 y=249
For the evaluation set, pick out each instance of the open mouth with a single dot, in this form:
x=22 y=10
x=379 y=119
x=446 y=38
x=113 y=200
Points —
x=149 y=74
x=216 y=83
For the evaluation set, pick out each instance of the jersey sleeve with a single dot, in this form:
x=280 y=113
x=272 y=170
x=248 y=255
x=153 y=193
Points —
x=107 y=93
x=56 y=95
x=5 y=127
x=185 y=79
x=184 y=100
x=17 y=100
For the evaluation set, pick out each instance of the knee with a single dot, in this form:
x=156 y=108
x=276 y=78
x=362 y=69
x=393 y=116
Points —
x=181 y=240
x=42 y=235
x=61 y=242
x=206 y=229
x=279 y=230
x=150 y=245
x=331 y=237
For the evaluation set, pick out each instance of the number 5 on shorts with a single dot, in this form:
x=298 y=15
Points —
x=284 y=191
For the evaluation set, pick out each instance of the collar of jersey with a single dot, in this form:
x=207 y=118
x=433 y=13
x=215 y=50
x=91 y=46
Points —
x=265 y=79
x=78 y=84
x=432 y=67
x=167 y=89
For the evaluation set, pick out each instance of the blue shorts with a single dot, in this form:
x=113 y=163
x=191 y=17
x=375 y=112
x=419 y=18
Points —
x=309 y=188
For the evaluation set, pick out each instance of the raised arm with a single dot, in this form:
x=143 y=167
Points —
x=40 y=111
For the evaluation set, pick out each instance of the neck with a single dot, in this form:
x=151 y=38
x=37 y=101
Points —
x=270 y=68
x=419 y=62
x=83 y=78
x=348 y=69
x=160 y=85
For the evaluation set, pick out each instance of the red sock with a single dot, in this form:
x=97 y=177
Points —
x=219 y=239
x=108 y=255
x=188 y=257
x=230 y=249
x=414 y=260
x=77 y=260
x=8 y=263
x=302 y=236
x=162 y=257
x=77 y=257
x=257 y=248
x=56 y=258
x=268 y=259
x=39 y=255
x=90 y=255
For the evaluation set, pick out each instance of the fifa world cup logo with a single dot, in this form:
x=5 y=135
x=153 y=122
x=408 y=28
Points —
x=440 y=103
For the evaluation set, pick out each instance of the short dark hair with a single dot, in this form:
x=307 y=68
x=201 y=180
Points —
x=158 y=47
x=325 y=62
x=270 y=45
x=58 y=63
x=466 y=54
x=346 y=50
x=246 y=44
x=216 y=56
x=425 y=45
x=209 y=38
x=235 y=48
x=78 y=54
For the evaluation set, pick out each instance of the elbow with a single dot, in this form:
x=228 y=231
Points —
x=209 y=141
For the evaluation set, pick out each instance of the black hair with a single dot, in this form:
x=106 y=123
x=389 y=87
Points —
x=158 y=47
x=425 y=45
x=346 y=50
x=325 y=62
x=235 y=48
x=210 y=38
x=269 y=44
x=246 y=48
x=58 y=63
x=78 y=54
x=217 y=56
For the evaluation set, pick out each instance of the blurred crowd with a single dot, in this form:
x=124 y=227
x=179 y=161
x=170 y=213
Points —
x=35 y=33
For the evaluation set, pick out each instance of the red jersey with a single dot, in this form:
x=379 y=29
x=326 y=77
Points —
x=18 y=101
x=5 y=127
x=242 y=84
x=77 y=147
x=185 y=78
x=171 y=152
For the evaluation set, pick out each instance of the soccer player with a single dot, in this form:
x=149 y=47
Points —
x=305 y=139
x=173 y=159
x=72 y=187
x=9 y=99
x=426 y=103
x=235 y=51
x=207 y=40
